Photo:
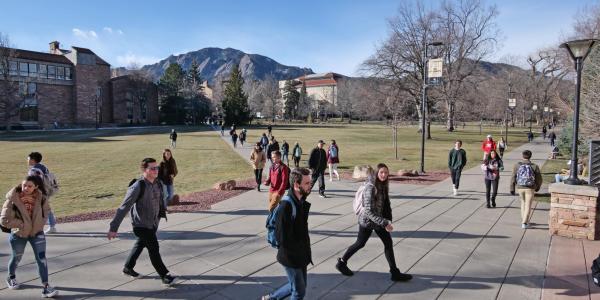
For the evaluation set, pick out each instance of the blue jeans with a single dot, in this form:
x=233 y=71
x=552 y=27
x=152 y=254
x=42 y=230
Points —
x=51 y=219
x=296 y=286
x=170 y=191
x=38 y=243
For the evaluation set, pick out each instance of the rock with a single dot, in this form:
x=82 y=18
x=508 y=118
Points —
x=225 y=186
x=404 y=173
x=174 y=200
x=360 y=172
x=415 y=173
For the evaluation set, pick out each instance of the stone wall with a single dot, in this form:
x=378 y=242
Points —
x=573 y=211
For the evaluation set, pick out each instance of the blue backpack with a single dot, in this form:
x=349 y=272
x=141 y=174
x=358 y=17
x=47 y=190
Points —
x=333 y=151
x=525 y=175
x=272 y=219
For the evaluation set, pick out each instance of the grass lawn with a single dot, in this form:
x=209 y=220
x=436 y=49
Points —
x=94 y=167
x=371 y=143
x=549 y=169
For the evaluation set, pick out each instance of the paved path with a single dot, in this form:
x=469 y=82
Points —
x=454 y=246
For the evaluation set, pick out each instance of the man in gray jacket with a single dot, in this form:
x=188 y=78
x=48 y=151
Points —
x=144 y=202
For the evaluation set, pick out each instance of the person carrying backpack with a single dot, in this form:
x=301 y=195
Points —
x=297 y=154
x=333 y=159
x=375 y=215
x=143 y=201
x=291 y=233
x=278 y=180
x=24 y=214
x=173 y=138
x=527 y=179
x=285 y=152
x=50 y=185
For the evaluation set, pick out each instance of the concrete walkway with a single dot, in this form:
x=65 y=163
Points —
x=455 y=247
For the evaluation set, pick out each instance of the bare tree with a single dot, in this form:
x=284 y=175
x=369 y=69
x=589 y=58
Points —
x=264 y=96
x=547 y=70
x=9 y=101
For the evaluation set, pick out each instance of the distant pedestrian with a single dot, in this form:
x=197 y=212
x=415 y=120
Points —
x=173 y=138
x=234 y=138
x=552 y=138
x=258 y=160
x=294 y=252
x=488 y=145
x=285 y=152
x=278 y=180
x=297 y=154
x=501 y=147
x=544 y=131
x=264 y=141
x=317 y=163
x=491 y=170
x=457 y=159
x=25 y=212
x=527 y=179
x=222 y=129
x=333 y=159
x=34 y=160
x=272 y=146
x=269 y=130
x=376 y=215
x=143 y=202
x=530 y=136
x=167 y=172
x=242 y=137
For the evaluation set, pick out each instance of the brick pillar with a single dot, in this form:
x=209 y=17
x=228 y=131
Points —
x=573 y=211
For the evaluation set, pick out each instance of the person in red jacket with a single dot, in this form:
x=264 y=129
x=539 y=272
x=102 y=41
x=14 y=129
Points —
x=488 y=146
x=278 y=179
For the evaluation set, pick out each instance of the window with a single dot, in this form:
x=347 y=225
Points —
x=13 y=67
x=68 y=74
x=27 y=89
x=43 y=72
x=28 y=112
x=33 y=70
x=51 y=72
x=143 y=109
x=23 y=70
x=60 y=73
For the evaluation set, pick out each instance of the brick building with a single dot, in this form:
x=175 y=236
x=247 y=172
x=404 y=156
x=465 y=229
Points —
x=73 y=88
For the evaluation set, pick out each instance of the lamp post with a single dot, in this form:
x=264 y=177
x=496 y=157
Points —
x=533 y=109
x=423 y=102
x=578 y=50
x=512 y=103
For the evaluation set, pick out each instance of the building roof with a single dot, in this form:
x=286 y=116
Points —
x=99 y=60
x=42 y=56
x=320 y=82
x=321 y=76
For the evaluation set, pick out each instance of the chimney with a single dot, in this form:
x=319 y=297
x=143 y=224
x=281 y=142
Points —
x=54 y=47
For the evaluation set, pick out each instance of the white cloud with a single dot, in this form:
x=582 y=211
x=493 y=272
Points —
x=140 y=60
x=119 y=31
x=83 y=34
x=108 y=29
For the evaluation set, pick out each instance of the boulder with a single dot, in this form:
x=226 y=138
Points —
x=360 y=172
x=404 y=173
x=225 y=186
x=174 y=200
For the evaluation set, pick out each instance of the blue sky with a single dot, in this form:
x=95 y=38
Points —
x=333 y=35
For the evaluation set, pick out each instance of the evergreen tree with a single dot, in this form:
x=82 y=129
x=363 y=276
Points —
x=292 y=99
x=193 y=77
x=171 y=83
x=235 y=101
x=304 y=105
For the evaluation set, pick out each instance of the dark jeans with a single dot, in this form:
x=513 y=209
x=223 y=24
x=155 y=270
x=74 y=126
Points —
x=319 y=175
x=296 y=286
x=363 y=237
x=455 y=174
x=501 y=152
x=296 y=161
x=552 y=142
x=146 y=238
x=491 y=185
x=258 y=176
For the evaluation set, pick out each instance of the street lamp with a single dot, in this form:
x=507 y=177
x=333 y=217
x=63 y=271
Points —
x=533 y=109
x=578 y=50
x=512 y=103
x=423 y=102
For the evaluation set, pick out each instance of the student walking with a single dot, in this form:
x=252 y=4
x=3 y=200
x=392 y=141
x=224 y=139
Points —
x=457 y=159
x=492 y=167
x=234 y=138
x=264 y=142
x=173 y=138
x=501 y=147
x=297 y=154
x=376 y=215
x=242 y=137
x=530 y=136
x=294 y=252
x=317 y=162
x=278 y=180
x=258 y=160
x=222 y=128
x=167 y=173
x=544 y=131
x=527 y=178
x=333 y=159
x=285 y=151
x=272 y=146
x=488 y=145
x=552 y=138
x=34 y=160
x=269 y=130
x=144 y=202
x=25 y=212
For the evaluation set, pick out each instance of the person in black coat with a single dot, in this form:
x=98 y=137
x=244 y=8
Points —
x=317 y=162
x=294 y=252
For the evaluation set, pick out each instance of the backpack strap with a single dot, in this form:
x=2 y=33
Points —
x=142 y=185
x=291 y=202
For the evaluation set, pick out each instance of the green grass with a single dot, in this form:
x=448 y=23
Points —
x=372 y=143
x=94 y=167
x=549 y=169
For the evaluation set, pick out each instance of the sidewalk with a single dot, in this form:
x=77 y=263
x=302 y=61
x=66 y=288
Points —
x=454 y=246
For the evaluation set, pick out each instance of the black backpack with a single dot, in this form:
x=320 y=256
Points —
x=596 y=271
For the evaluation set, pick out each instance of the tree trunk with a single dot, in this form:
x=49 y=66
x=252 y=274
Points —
x=428 y=129
x=450 y=116
x=420 y=115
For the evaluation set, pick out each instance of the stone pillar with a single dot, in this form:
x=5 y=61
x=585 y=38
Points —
x=573 y=211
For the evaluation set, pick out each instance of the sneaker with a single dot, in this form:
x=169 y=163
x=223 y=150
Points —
x=12 y=283
x=168 y=280
x=399 y=276
x=131 y=273
x=51 y=229
x=322 y=195
x=49 y=292
x=455 y=192
x=524 y=226
x=343 y=267
x=266 y=297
